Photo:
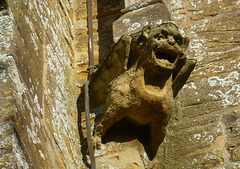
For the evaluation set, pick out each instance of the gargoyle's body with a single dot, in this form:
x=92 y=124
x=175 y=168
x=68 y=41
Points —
x=140 y=79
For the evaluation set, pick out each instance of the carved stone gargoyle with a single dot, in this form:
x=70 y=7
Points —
x=139 y=81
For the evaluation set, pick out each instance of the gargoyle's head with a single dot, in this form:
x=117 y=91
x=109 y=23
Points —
x=161 y=46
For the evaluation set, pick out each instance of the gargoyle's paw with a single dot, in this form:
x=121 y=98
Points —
x=97 y=142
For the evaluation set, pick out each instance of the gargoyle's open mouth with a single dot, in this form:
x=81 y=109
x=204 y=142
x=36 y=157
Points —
x=166 y=56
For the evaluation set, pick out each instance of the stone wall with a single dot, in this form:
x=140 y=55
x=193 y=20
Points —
x=44 y=83
x=206 y=126
x=11 y=154
x=50 y=50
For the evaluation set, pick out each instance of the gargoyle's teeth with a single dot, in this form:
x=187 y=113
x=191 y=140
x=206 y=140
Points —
x=166 y=56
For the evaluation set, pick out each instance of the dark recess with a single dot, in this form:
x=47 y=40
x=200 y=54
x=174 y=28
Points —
x=3 y=5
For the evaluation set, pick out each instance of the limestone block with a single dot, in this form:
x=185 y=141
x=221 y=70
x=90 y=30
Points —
x=122 y=157
x=197 y=143
x=232 y=130
x=11 y=154
x=135 y=20
x=199 y=10
x=212 y=89
x=44 y=83
x=215 y=80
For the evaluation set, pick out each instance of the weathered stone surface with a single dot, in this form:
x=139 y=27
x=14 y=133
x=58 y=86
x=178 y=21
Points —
x=44 y=83
x=212 y=89
x=137 y=84
x=121 y=156
x=208 y=101
x=152 y=15
x=199 y=10
x=231 y=122
x=11 y=154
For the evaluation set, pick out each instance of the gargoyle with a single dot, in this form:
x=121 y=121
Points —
x=139 y=81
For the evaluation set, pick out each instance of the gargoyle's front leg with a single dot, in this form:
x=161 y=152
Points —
x=112 y=115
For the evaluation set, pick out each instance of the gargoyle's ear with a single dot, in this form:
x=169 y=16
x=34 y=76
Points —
x=185 y=43
x=182 y=75
x=146 y=31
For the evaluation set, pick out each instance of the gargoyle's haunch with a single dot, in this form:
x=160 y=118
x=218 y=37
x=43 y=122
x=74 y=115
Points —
x=139 y=81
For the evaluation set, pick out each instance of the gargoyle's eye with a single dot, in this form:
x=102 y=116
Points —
x=159 y=36
x=165 y=33
x=178 y=40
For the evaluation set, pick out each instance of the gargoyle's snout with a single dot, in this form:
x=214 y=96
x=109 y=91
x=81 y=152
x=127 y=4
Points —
x=171 y=40
x=167 y=49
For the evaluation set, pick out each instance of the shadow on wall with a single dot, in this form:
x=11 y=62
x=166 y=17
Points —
x=126 y=130
x=3 y=8
x=108 y=12
x=81 y=129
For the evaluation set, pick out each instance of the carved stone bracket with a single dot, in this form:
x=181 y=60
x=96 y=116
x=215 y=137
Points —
x=137 y=84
